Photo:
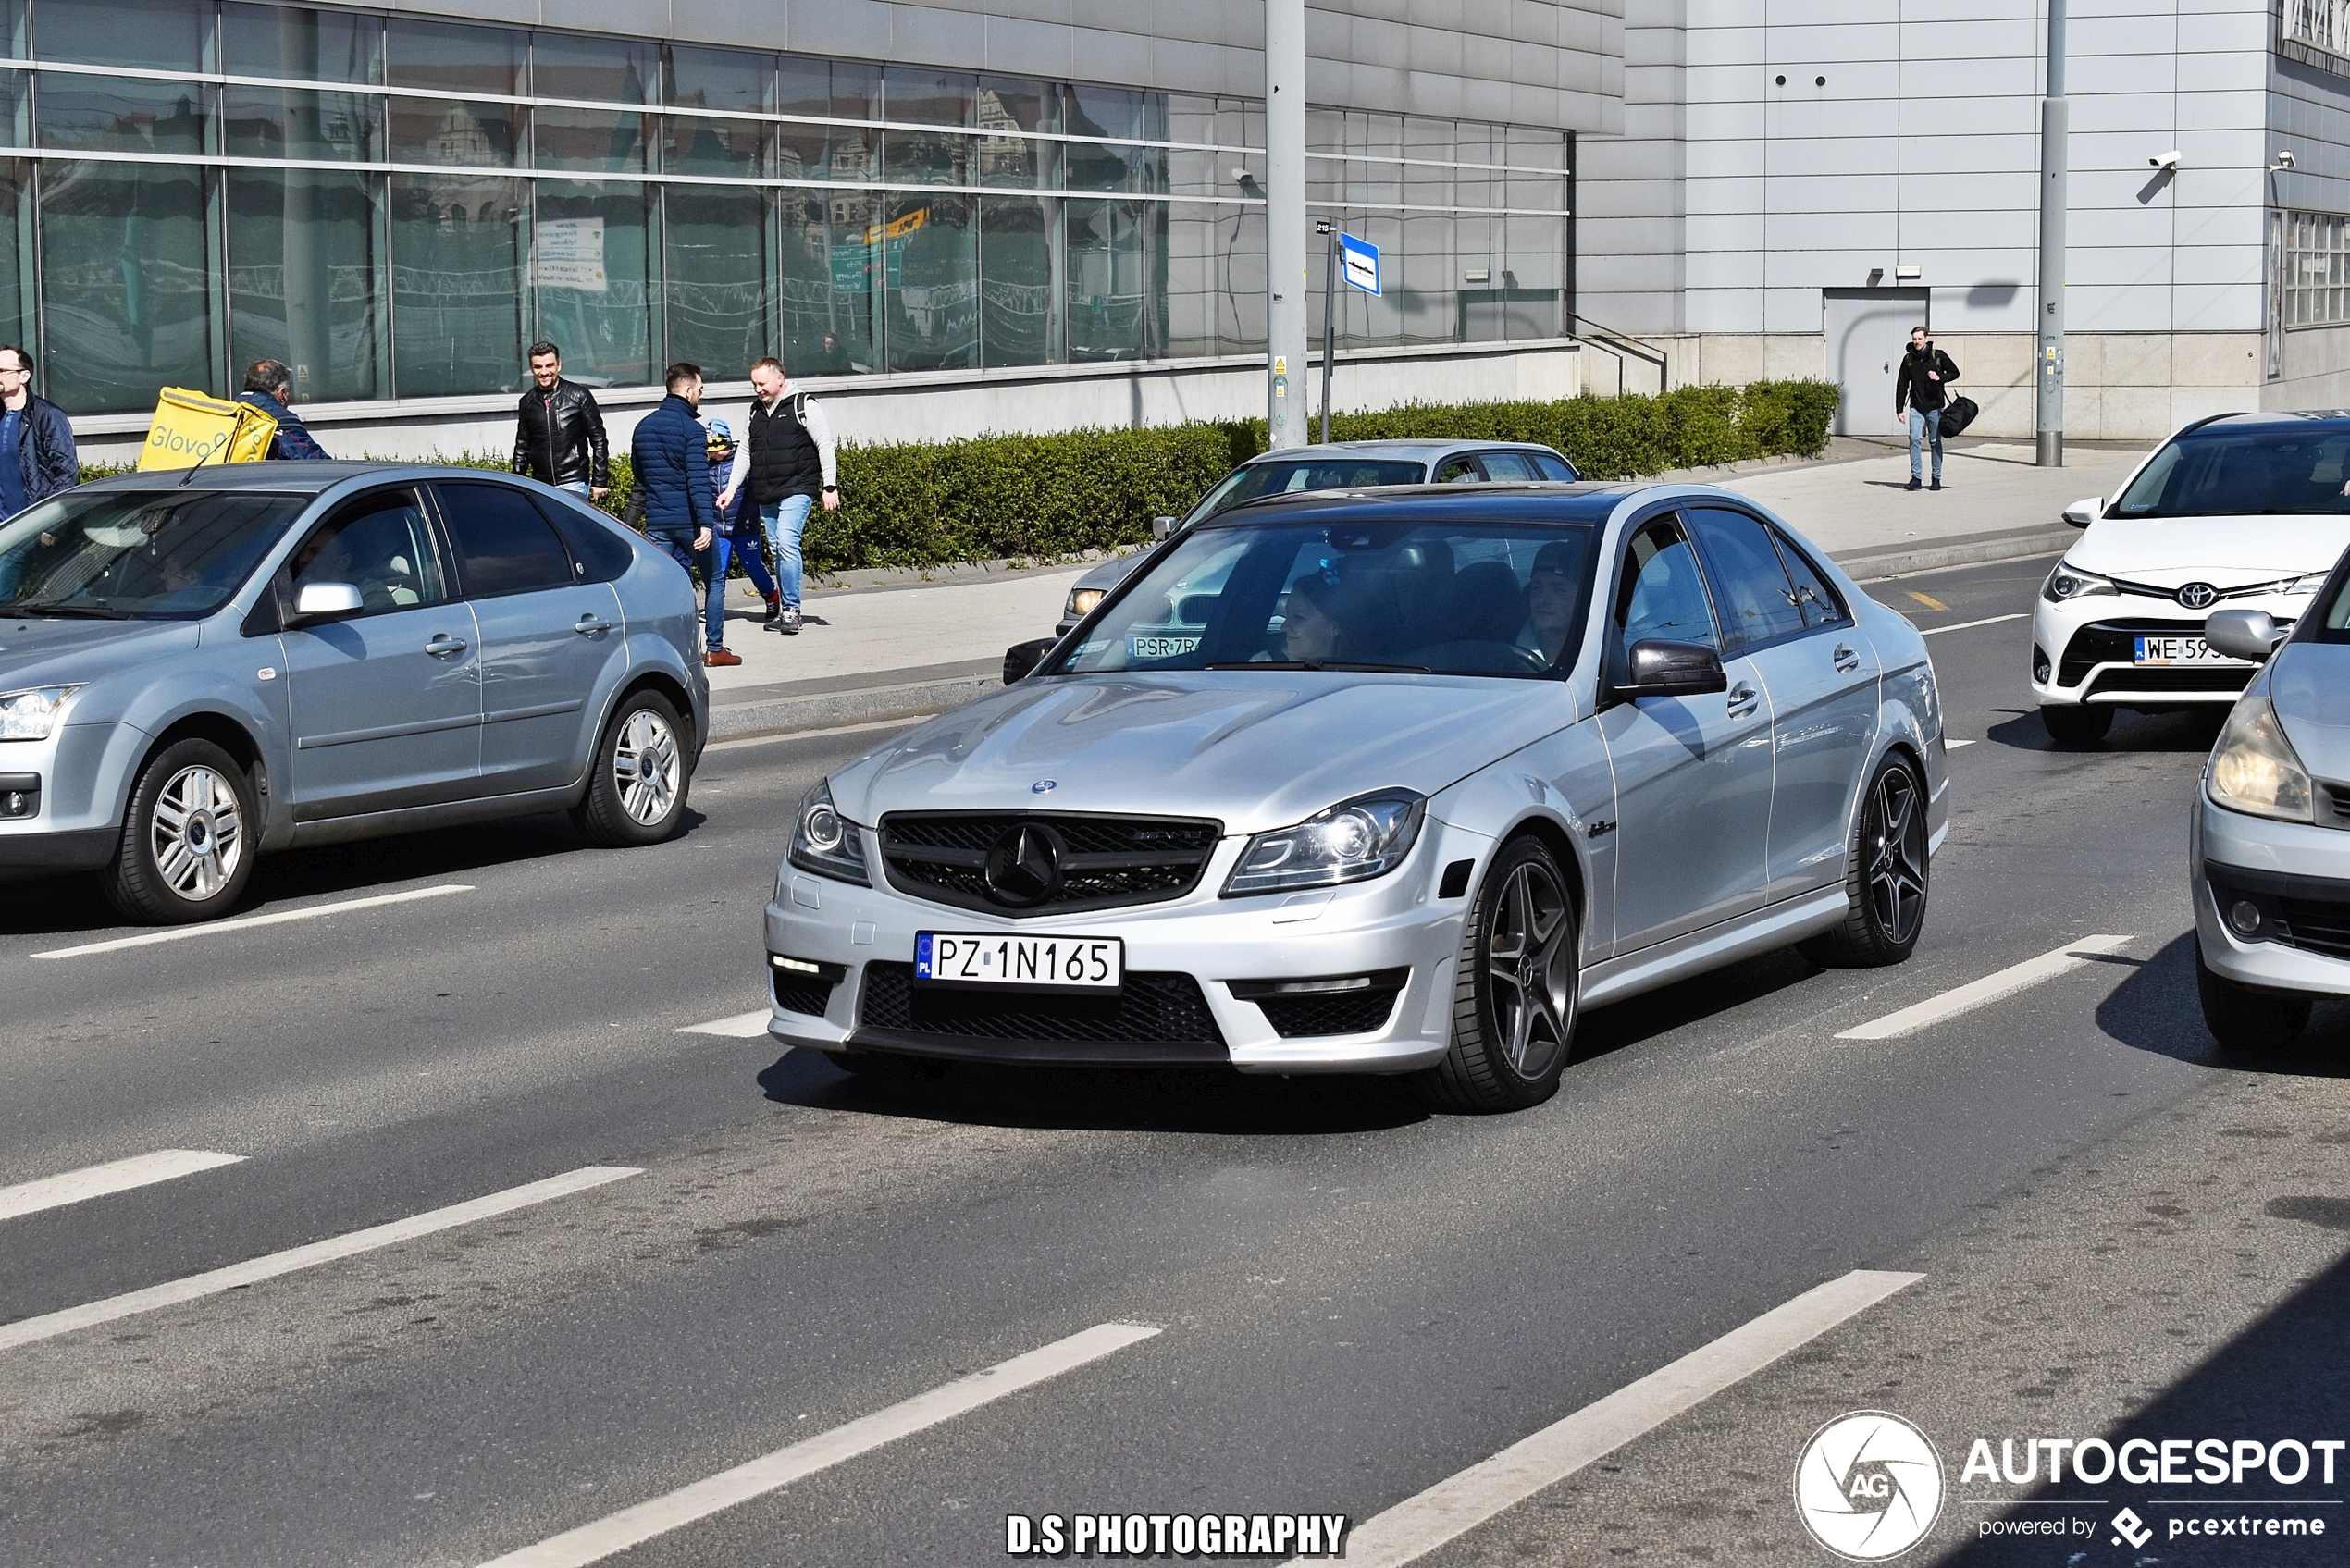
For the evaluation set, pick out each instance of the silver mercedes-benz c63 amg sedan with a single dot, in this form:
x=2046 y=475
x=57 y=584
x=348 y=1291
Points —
x=1389 y=781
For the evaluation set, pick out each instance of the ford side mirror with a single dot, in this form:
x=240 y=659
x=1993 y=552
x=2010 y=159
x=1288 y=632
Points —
x=1021 y=658
x=2081 y=513
x=326 y=601
x=2243 y=633
x=1673 y=669
x=1161 y=527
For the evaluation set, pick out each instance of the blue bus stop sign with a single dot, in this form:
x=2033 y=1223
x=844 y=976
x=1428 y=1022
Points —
x=1359 y=259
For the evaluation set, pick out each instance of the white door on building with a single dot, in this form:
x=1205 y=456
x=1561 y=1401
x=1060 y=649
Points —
x=1867 y=329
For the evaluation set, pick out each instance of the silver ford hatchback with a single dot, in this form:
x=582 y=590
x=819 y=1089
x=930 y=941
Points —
x=199 y=668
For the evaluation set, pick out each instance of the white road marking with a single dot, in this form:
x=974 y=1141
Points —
x=1990 y=988
x=250 y=922
x=1453 y=1507
x=742 y=1026
x=907 y=723
x=1964 y=625
x=1954 y=744
x=115 y=1175
x=630 y=1526
x=24 y=1331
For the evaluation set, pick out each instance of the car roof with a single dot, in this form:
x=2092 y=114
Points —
x=287 y=478
x=2273 y=417
x=1583 y=501
x=1423 y=451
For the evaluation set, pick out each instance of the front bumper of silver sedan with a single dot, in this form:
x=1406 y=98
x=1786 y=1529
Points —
x=2294 y=878
x=1251 y=982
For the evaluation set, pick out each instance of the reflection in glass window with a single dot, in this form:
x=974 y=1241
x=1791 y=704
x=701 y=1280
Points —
x=1015 y=283
x=463 y=135
x=125 y=274
x=1113 y=311
x=923 y=96
x=306 y=281
x=831 y=281
x=719 y=256
x=447 y=57
x=173 y=35
x=603 y=70
x=460 y=319
x=930 y=255
x=107 y=114
x=721 y=79
x=16 y=252
x=605 y=140
x=303 y=45
x=591 y=260
x=926 y=157
x=298 y=122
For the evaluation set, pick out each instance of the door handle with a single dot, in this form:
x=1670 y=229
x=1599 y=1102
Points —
x=443 y=646
x=587 y=626
x=1846 y=660
x=1742 y=701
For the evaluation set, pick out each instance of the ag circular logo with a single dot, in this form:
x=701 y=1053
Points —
x=1869 y=1485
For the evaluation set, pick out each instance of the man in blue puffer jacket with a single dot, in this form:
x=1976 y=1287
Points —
x=671 y=471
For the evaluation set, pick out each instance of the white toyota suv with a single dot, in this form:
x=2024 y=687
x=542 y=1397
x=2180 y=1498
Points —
x=2240 y=512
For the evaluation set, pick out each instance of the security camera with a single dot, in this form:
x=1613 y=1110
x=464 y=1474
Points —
x=2166 y=160
x=2284 y=160
x=1242 y=176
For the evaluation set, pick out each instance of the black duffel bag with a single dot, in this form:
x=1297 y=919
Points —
x=1957 y=415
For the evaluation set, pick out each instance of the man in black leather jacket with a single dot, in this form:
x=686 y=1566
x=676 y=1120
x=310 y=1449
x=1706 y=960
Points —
x=559 y=431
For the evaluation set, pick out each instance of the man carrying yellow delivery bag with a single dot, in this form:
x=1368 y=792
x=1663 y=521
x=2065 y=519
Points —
x=191 y=428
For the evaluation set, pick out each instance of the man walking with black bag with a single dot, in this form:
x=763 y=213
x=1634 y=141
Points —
x=1923 y=387
x=559 y=431
x=788 y=460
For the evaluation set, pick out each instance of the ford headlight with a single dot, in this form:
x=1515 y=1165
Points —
x=30 y=715
x=1357 y=839
x=2254 y=768
x=826 y=842
x=2070 y=582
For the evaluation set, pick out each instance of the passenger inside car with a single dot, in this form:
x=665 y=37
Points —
x=1553 y=595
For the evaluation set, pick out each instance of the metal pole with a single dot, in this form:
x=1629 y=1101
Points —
x=1330 y=301
x=1285 y=230
x=2055 y=119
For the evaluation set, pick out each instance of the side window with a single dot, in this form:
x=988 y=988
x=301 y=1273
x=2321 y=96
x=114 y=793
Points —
x=1750 y=586
x=1660 y=595
x=1459 y=470
x=1820 y=604
x=1506 y=465
x=380 y=545
x=603 y=554
x=503 y=546
x=1551 y=468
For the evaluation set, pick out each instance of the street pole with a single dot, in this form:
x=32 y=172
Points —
x=2055 y=118
x=1287 y=424
x=1329 y=231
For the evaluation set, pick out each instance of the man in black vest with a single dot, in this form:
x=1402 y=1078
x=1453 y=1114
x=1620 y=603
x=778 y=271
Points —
x=559 y=431
x=787 y=457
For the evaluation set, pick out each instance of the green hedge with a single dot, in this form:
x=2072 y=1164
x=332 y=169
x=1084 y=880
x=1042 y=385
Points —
x=993 y=498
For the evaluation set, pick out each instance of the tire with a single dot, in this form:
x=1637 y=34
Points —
x=1516 y=989
x=2241 y=1018
x=2077 y=725
x=637 y=785
x=1885 y=882
x=189 y=837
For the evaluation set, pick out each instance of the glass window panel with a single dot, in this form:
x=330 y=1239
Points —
x=114 y=115
x=305 y=45
x=802 y=151
x=297 y=122
x=589 y=139
x=856 y=91
x=852 y=153
x=1113 y=112
x=1240 y=316
x=830 y=281
x=923 y=96
x=16 y=251
x=460 y=312
x=1425 y=281
x=829 y=89
x=1110 y=307
x=926 y=157
x=16 y=36
x=603 y=70
x=721 y=79
x=448 y=58
x=127 y=285
x=1195 y=260
x=306 y=281
x=1094 y=166
x=1016 y=281
x=460 y=135
x=1006 y=156
x=16 y=109
x=145 y=34
x=720 y=247
x=703 y=145
x=591 y=259
x=1014 y=104
x=930 y=260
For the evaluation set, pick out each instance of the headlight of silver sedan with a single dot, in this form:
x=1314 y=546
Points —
x=1353 y=841
x=30 y=715
x=826 y=842
x=2069 y=581
x=2254 y=768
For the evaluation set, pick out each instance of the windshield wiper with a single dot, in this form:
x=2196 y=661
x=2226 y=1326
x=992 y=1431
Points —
x=1322 y=665
x=87 y=612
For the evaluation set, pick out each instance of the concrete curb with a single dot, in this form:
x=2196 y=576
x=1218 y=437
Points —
x=1876 y=566
x=825 y=710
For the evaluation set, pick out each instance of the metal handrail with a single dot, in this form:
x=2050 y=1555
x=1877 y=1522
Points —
x=1621 y=344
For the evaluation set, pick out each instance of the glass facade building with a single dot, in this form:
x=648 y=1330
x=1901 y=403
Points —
x=398 y=206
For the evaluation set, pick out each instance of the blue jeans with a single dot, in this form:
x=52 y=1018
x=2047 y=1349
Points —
x=783 y=520
x=681 y=549
x=1926 y=424
x=723 y=552
x=577 y=487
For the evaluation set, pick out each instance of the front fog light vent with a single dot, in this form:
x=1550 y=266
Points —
x=1326 y=1005
x=2245 y=918
x=803 y=985
x=20 y=794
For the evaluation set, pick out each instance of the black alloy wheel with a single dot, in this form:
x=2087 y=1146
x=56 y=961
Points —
x=1516 y=988
x=1886 y=880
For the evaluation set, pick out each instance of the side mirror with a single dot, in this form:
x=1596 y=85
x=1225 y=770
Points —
x=1161 y=527
x=1673 y=669
x=2243 y=633
x=326 y=601
x=2081 y=513
x=1021 y=658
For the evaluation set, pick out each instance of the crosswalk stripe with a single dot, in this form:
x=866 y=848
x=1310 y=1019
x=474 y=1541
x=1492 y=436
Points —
x=1989 y=989
x=742 y=1026
x=115 y=1175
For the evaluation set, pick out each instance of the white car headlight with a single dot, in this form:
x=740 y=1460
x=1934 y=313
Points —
x=1353 y=841
x=826 y=842
x=30 y=715
x=2254 y=768
x=1082 y=601
x=2070 y=582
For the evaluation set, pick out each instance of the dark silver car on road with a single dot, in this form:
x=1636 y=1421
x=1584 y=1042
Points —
x=198 y=668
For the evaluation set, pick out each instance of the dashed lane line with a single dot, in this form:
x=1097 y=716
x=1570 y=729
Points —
x=115 y=1175
x=1969 y=625
x=1453 y=1507
x=25 y=1331
x=1989 y=989
x=617 y=1532
x=1954 y=744
x=907 y=722
x=742 y=1026
x=253 y=922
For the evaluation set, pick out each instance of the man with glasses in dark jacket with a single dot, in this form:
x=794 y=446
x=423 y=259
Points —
x=37 y=457
x=559 y=431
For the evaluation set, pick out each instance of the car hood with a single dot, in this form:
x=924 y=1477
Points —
x=2169 y=552
x=1114 y=571
x=38 y=653
x=1254 y=751
x=2310 y=683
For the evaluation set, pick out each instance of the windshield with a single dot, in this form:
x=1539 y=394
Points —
x=1448 y=598
x=2290 y=469
x=1294 y=477
x=120 y=555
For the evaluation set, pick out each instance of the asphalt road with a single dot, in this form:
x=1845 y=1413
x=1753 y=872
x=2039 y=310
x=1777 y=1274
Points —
x=1354 y=1300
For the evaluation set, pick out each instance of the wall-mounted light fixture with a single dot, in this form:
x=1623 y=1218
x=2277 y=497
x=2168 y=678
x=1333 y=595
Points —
x=1908 y=274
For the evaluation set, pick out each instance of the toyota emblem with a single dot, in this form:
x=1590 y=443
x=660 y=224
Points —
x=2199 y=596
x=1024 y=865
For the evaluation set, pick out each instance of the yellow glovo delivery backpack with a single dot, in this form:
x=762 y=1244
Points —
x=191 y=428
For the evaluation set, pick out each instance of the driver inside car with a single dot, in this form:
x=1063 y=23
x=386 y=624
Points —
x=1551 y=600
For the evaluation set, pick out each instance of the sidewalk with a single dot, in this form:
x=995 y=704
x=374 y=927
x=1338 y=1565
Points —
x=894 y=648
